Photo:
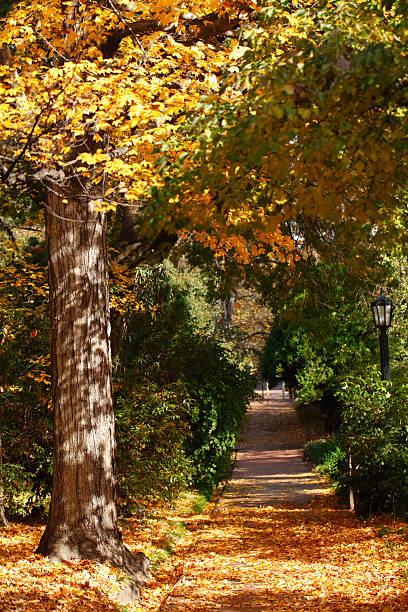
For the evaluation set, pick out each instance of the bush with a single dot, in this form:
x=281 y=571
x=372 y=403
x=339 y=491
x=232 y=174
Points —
x=152 y=426
x=375 y=434
x=331 y=461
x=221 y=389
x=182 y=396
x=318 y=452
x=17 y=485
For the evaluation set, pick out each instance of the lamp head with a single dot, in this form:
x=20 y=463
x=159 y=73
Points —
x=382 y=309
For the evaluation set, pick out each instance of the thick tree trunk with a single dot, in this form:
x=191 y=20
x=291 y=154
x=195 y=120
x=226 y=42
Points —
x=82 y=518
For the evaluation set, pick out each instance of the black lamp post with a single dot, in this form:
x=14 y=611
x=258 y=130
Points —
x=383 y=310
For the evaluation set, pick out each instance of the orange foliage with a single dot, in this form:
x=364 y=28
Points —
x=121 y=79
x=320 y=557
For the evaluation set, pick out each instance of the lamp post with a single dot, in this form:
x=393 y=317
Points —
x=383 y=309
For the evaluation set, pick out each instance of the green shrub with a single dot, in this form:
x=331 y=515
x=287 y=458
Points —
x=152 y=425
x=182 y=396
x=331 y=461
x=221 y=390
x=320 y=450
x=375 y=434
x=17 y=487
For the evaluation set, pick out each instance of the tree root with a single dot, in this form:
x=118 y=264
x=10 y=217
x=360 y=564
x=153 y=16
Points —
x=64 y=544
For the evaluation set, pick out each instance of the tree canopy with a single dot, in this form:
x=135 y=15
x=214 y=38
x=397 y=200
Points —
x=313 y=123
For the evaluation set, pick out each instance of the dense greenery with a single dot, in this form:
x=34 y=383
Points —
x=24 y=377
x=180 y=393
x=323 y=332
x=331 y=461
x=326 y=347
x=183 y=391
x=375 y=434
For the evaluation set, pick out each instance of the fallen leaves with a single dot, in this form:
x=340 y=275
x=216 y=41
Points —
x=279 y=558
x=282 y=558
x=29 y=582
x=317 y=557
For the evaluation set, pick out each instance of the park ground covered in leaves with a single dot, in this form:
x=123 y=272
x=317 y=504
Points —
x=318 y=557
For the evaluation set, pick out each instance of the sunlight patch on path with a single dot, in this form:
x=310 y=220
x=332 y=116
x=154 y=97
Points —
x=269 y=467
x=278 y=542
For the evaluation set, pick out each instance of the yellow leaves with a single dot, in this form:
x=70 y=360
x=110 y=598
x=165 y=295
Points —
x=166 y=11
x=124 y=296
x=40 y=377
x=39 y=372
x=137 y=96
x=93 y=159
x=317 y=557
x=210 y=81
x=30 y=582
x=118 y=167
x=237 y=51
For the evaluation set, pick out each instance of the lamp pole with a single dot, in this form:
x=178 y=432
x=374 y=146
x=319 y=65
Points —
x=384 y=357
x=383 y=309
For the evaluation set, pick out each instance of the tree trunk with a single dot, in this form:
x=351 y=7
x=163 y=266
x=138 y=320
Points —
x=82 y=518
x=227 y=307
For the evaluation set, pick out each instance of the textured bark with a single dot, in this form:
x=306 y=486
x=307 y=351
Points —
x=227 y=307
x=82 y=518
x=225 y=316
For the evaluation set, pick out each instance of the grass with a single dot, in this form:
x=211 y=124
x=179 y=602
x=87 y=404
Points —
x=160 y=528
x=169 y=541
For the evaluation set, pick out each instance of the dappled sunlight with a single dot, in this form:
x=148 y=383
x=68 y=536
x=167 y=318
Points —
x=278 y=541
x=270 y=464
x=278 y=558
x=274 y=556
x=30 y=582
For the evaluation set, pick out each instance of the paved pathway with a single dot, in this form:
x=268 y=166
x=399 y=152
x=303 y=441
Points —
x=270 y=467
x=220 y=568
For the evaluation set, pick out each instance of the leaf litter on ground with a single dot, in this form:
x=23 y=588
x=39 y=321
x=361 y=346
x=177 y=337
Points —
x=319 y=557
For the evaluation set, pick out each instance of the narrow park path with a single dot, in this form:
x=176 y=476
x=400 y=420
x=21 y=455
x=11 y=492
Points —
x=269 y=465
x=277 y=540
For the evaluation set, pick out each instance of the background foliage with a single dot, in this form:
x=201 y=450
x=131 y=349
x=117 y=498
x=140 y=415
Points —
x=326 y=346
x=180 y=392
x=189 y=383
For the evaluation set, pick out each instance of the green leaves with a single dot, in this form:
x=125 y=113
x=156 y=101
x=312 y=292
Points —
x=181 y=398
x=319 y=90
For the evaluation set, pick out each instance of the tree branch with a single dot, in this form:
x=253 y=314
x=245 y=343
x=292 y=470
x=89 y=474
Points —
x=6 y=174
x=193 y=29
